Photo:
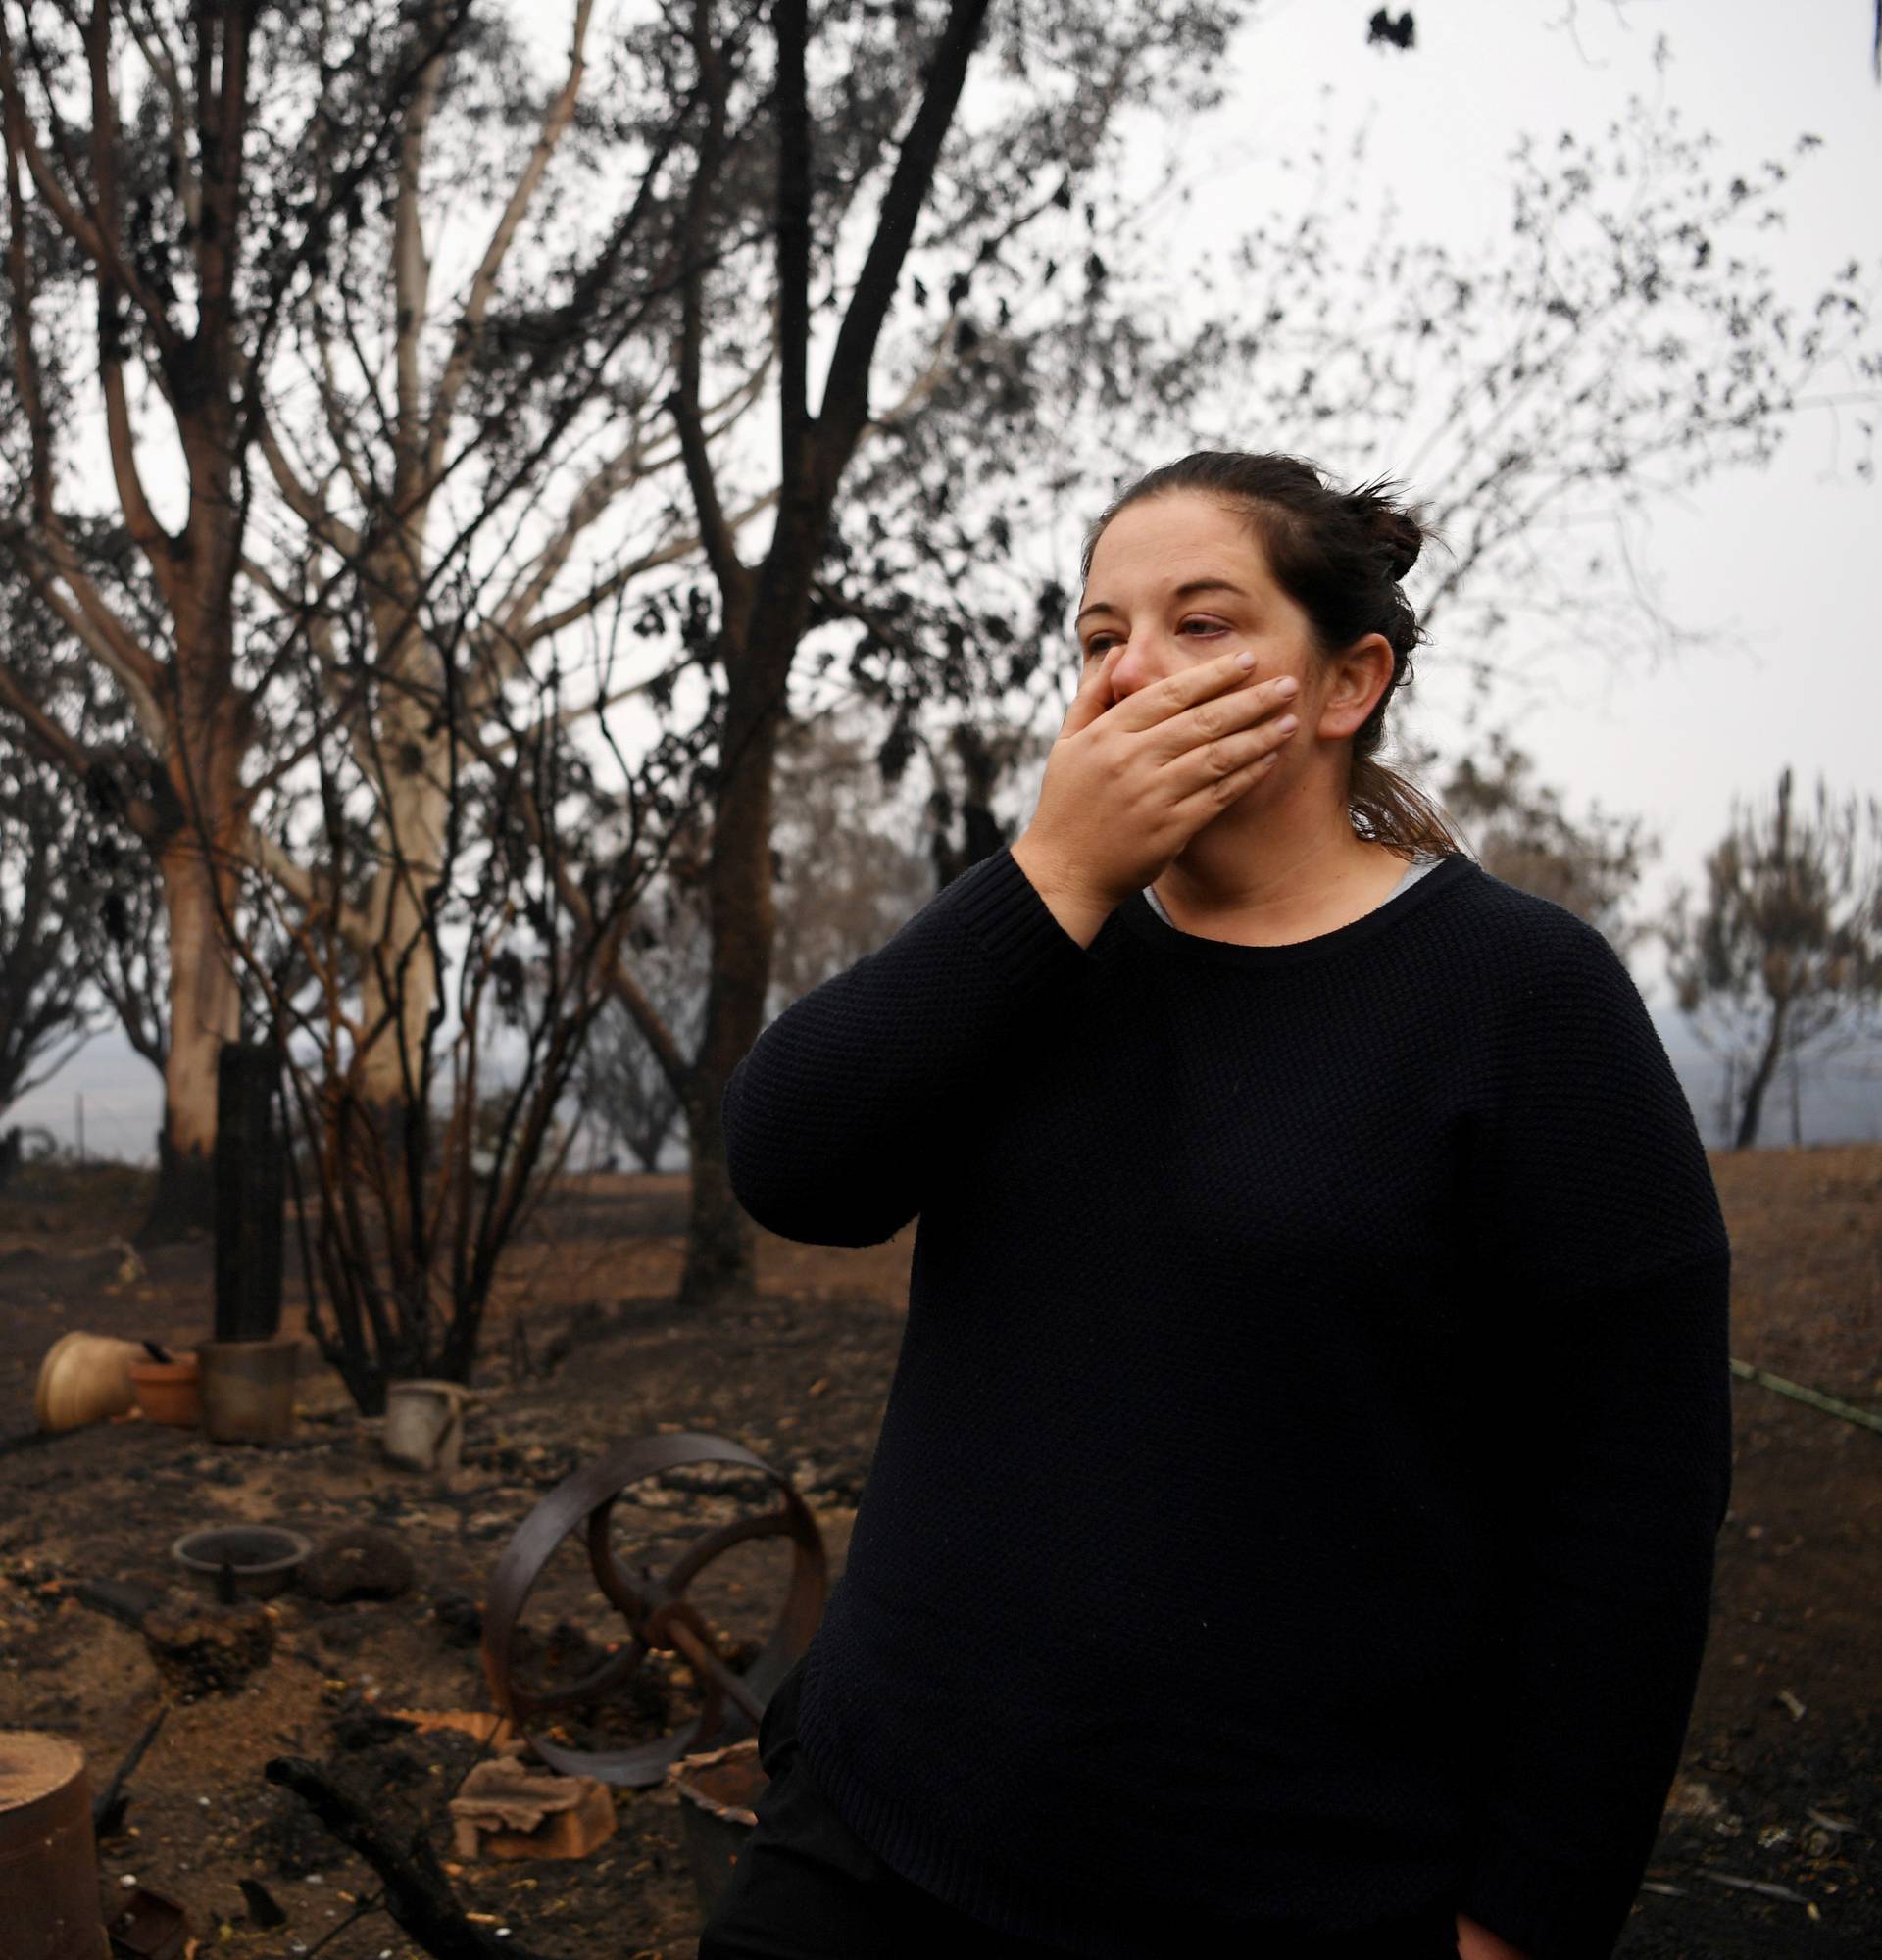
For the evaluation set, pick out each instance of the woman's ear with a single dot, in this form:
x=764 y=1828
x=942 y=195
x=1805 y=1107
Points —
x=1356 y=679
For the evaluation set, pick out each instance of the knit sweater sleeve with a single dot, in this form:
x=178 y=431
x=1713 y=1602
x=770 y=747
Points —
x=1606 y=1321
x=856 y=1096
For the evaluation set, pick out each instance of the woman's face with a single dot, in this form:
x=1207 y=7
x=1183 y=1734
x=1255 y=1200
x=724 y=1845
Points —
x=1179 y=579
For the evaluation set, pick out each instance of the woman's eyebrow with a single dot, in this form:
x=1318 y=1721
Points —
x=1187 y=590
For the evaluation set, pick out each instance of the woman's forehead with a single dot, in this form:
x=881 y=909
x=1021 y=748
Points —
x=1160 y=543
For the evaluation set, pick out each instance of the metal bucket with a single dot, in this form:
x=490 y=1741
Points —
x=719 y=1793
x=424 y=1424
x=48 y=1861
x=248 y=1389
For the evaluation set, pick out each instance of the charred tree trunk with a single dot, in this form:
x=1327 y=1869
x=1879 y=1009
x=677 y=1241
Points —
x=1752 y=1112
x=250 y=1193
x=766 y=615
x=205 y=1012
x=722 y=1256
x=413 y=762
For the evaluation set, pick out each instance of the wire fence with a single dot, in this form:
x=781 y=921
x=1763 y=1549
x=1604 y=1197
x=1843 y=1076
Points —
x=109 y=1106
x=111 y=1123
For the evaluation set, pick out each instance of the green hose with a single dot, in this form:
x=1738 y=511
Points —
x=1848 y=1411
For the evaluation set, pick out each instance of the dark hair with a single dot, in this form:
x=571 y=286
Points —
x=1339 y=555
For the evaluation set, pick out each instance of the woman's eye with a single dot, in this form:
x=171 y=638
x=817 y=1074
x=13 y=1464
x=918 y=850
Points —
x=1100 y=641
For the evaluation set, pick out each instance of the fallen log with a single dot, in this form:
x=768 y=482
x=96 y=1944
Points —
x=108 y=1806
x=418 y=1894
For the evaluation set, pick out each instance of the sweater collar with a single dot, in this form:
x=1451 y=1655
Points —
x=1141 y=917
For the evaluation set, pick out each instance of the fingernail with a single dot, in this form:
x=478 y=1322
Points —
x=1286 y=685
x=1244 y=660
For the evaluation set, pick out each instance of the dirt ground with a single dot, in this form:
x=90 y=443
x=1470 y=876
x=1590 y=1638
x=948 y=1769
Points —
x=1767 y=1848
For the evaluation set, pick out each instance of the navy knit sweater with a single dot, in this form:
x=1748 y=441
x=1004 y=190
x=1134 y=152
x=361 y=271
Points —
x=1296 y=1496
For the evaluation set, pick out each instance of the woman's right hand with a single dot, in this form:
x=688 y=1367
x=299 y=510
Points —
x=1129 y=783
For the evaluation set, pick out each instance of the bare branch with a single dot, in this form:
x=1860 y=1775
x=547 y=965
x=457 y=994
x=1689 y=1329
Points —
x=633 y=463
x=613 y=972
x=791 y=25
x=56 y=742
x=335 y=408
x=45 y=553
x=140 y=520
x=94 y=621
x=221 y=118
x=570 y=717
x=411 y=269
x=146 y=532
x=624 y=575
x=301 y=498
x=589 y=504
x=735 y=577
x=555 y=121
x=917 y=392
x=846 y=391
x=80 y=226
x=319 y=894
x=149 y=36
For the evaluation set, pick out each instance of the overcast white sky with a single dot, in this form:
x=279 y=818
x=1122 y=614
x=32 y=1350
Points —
x=1774 y=561
x=1769 y=560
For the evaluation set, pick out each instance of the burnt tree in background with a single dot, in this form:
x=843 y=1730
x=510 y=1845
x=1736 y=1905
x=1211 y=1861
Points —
x=1782 y=959
x=250 y=1191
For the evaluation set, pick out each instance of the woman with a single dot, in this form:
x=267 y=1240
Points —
x=1291 y=1531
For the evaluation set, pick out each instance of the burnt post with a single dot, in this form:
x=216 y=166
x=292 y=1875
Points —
x=249 y=1193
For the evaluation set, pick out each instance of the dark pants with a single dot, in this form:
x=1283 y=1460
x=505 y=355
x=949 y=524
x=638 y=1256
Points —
x=808 y=1888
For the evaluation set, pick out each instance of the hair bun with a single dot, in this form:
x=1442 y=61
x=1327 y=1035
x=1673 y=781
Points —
x=1398 y=534
x=1402 y=539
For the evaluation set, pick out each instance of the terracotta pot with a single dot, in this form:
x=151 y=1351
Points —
x=85 y=1378
x=169 y=1390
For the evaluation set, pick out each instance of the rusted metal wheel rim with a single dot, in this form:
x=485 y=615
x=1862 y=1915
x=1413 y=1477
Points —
x=655 y=1607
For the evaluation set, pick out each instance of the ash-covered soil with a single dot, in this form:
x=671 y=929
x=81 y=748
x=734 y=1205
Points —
x=1767 y=1849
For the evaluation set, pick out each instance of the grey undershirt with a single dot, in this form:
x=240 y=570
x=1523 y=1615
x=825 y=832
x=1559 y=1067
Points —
x=1413 y=873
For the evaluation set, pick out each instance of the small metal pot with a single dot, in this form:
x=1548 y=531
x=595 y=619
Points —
x=241 y=1561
